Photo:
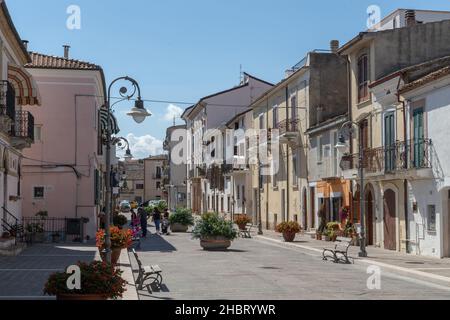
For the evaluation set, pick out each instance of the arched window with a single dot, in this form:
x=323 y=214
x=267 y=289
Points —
x=363 y=78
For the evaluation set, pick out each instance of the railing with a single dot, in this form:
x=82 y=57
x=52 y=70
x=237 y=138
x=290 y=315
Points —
x=7 y=100
x=11 y=224
x=289 y=125
x=414 y=154
x=41 y=230
x=23 y=126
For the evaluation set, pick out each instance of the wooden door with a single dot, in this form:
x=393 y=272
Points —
x=390 y=239
x=305 y=210
x=313 y=207
x=370 y=220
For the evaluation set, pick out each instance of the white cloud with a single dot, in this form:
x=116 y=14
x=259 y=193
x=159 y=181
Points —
x=173 y=111
x=144 y=146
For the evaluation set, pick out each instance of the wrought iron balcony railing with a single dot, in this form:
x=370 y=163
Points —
x=414 y=154
x=23 y=126
x=289 y=125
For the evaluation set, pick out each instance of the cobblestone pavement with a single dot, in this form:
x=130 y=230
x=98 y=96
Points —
x=24 y=276
x=262 y=269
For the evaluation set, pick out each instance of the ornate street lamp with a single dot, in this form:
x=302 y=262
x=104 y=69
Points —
x=139 y=114
x=342 y=147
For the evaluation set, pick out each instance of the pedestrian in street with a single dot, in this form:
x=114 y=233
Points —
x=323 y=219
x=157 y=219
x=102 y=218
x=144 y=221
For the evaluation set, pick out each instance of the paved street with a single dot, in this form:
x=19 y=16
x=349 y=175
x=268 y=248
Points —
x=24 y=276
x=263 y=269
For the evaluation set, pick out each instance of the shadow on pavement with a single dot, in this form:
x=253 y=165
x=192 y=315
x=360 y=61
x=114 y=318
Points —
x=155 y=242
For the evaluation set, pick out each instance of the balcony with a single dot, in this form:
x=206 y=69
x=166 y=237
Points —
x=411 y=157
x=198 y=172
x=289 y=130
x=22 y=131
x=238 y=166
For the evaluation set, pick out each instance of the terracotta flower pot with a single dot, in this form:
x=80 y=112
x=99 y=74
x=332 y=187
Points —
x=318 y=236
x=176 y=227
x=242 y=226
x=289 y=236
x=215 y=243
x=81 y=297
x=115 y=255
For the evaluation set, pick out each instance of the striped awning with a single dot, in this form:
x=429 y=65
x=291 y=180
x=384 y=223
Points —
x=25 y=87
x=112 y=119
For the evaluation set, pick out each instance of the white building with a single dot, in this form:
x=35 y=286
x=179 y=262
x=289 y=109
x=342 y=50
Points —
x=427 y=101
x=401 y=17
x=207 y=189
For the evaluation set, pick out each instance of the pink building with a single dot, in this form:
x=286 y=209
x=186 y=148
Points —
x=63 y=172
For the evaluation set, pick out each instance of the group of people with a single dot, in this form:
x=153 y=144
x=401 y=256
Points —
x=139 y=221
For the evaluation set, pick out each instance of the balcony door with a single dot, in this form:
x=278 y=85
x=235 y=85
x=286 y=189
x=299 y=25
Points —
x=419 y=138
x=389 y=141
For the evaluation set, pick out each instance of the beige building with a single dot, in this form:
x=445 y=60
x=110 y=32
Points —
x=176 y=184
x=304 y=98
x=392 y=132
x=132 y=180
x=155 y=178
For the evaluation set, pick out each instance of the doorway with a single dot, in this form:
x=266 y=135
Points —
x=313 y=207
x=370 y=218
x=390 y=239
x=305 y=209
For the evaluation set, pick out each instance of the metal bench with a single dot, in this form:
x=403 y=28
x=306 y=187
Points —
x=340 y=252
x=247 y=233
x=147 y=272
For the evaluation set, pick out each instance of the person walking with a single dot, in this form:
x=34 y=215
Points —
x=323 y=219
x=144 y=221
x=157 y=219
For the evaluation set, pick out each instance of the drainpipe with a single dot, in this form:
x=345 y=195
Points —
x=405 y=181
x=287 y=206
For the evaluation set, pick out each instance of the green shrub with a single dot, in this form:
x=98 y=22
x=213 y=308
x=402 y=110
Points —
x=211 y=225
x=182 y=216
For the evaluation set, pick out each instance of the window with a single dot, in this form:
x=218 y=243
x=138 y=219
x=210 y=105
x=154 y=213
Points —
x=236 y=126
x=38 y=192
x=261 y=122
x=319 y=149
x=238 y=190
x=37 y=133
x=139 y=186
x=294 y=111
x=275 y=117
x=431 y=221
x=158 y=185
x=295 y=169
x=363 y=78
x=335 y=154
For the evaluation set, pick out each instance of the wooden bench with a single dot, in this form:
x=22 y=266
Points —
x=147 y=272
x=247 y=233
x=340 y=252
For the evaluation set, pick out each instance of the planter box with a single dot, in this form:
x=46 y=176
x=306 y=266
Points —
x=115 y=255
x=215 y=244
x=176 y=227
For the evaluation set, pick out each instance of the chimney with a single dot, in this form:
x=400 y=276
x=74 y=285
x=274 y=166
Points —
x=410 y=17
x=66 y=51
x=25 y=44
x=334 y=46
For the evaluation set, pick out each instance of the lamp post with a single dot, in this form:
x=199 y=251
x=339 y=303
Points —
x=342 y=146
x=122 y=143
x=139 y=114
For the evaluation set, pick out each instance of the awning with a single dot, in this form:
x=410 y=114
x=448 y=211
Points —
x=26 y=89
x=112 y=119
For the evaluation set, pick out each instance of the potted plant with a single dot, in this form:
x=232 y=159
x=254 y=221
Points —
x=181 y=220
x=120 y=220
x=214 y=232
x=242 y=221
x=318 y=236
x=35 y=231
x=99 y=281
x=120 y=239
x=289 y=230
x=56 y=237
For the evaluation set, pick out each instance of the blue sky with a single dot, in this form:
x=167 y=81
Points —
x=182 y=50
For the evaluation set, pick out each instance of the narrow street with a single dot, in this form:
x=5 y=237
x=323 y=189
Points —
x=260 y=269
